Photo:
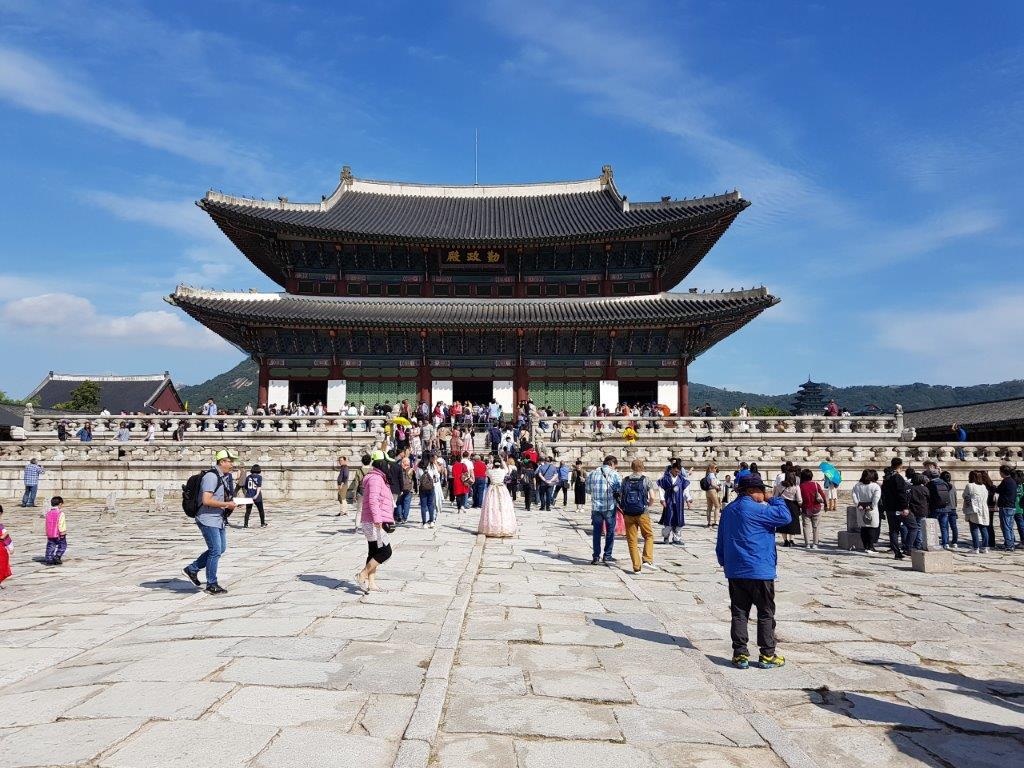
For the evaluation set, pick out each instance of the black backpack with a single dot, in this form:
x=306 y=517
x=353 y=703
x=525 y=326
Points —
x=705 y=483
x=634 y=496
x=940 y=493
x=191 y=492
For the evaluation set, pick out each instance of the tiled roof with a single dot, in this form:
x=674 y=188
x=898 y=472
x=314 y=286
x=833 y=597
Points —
x=663 y=309
x=973 y=415
x=529 y=212
x=117 y=393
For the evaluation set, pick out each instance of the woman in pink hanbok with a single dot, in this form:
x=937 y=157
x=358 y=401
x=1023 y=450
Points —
x=497 y=518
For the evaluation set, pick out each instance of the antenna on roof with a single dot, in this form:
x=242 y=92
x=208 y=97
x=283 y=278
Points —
x=476 y=156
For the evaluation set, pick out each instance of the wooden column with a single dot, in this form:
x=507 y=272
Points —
x=684 y=389
x=520 y=383
x=423 y=382
x=264 y=384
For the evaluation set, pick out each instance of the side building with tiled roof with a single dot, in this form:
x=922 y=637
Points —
x=996 y=421
x=557 y=292
x=118 y=394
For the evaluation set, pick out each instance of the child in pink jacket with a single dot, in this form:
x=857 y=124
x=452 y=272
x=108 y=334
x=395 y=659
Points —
x=378 y=519
x=56 y=532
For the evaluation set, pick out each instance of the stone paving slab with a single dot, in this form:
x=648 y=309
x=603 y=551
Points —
x=498 y=653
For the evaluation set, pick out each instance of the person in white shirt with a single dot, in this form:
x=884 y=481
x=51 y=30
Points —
x=866 y=495
x=151 y=432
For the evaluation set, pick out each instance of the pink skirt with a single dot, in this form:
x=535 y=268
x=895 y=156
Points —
x=497 y=518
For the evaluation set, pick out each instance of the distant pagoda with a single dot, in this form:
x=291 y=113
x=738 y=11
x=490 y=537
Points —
x=810 y=400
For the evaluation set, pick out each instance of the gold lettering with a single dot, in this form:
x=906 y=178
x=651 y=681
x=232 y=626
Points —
x=454 y=256
x=473 y=256
x=493 y=257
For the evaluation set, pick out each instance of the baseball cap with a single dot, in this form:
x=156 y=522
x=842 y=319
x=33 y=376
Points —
x=378 y=456
x=749 y=483
x=225 y=453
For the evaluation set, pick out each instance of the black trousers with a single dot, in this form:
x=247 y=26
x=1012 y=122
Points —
x=258 y=503
x=895 y=532
x=869 y=537
x=747 y=593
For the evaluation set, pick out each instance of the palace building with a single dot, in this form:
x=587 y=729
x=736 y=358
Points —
x=557 y=292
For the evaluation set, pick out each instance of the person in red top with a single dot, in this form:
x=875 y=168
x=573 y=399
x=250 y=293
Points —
x=812 y=499
x=462 y=471
x=479 y=481
x=531 y=454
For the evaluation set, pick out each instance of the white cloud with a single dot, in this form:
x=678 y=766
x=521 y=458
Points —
x=969 y=340
x=33 y=84
x=74 y=317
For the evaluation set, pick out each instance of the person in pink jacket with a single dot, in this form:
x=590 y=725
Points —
x=378 y=519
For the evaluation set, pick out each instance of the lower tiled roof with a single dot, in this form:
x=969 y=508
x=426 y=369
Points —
x=975 y=414
x=662 y=309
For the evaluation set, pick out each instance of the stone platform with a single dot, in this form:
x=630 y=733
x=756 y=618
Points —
x=495 y=653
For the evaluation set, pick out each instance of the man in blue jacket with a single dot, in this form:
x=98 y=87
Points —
x=746 y=549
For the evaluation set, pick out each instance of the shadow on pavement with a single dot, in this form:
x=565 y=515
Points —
x=329 y=582
x=556 y=556
x=170 y=585
x=650 y=635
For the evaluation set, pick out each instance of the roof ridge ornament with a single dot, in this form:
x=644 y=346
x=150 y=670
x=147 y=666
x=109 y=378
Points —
x=607 y=174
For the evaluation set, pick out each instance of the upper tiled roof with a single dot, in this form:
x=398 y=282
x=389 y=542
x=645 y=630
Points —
x=526 y=212
x=663 y=309
x=973 y=415
x=117 y=393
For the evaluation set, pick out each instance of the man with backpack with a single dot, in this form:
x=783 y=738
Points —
x=209 y=497
x=940 y=502
x=637 y=496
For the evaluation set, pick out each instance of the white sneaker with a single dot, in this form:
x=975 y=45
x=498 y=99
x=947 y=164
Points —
x=423 y=525
x=984 y=550
x=649 y=567
x=975 y=551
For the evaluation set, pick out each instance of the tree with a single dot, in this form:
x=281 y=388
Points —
x=7 y=400
x=763 y=411
x=85 y=398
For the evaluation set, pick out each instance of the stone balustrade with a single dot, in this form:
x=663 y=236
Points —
x=235 y=427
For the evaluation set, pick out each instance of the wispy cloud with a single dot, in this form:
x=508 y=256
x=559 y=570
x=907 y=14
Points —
x=181 y=216
x=30 y=83
x=965 y=342
x=648 y=82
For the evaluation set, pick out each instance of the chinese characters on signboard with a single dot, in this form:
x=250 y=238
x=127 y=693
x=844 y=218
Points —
x=472 y=258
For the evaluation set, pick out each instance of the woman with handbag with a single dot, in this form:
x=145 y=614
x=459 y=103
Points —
x=789 y=490
x=378 y=519
x=812 y=500
x=866 y=495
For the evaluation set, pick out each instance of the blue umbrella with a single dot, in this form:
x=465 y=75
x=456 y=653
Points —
x=831 y=474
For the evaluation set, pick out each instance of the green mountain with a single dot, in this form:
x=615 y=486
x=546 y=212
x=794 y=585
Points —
x=231 y=390
x=236 y=387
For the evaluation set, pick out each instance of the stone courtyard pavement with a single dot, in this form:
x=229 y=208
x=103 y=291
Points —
x=494 y=653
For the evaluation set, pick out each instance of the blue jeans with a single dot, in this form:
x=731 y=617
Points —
x=942 y=515
x=547 y=495
x=28 y=499
x=603 y=521
x=402 y=506
x=216 y=543
x=428 y=510
x=979 y=536
x=479 y=486
x=1006 y=523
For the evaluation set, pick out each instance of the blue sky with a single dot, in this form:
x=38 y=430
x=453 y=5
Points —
x=880 y=144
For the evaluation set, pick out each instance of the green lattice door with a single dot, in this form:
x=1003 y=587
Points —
x=373 y=392
x=570 y=396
